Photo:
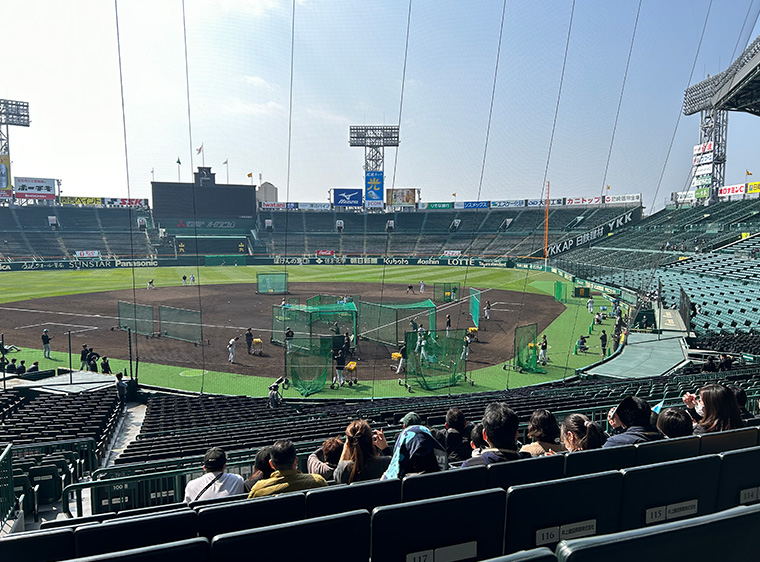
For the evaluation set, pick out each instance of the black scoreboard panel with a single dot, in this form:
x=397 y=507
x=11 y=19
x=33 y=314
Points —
x=195 y=202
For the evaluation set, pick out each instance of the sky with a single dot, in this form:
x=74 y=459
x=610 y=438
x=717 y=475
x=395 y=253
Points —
x=348 y=69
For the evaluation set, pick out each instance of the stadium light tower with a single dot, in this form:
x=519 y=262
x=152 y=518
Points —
x=11 y=113
x=374 y=138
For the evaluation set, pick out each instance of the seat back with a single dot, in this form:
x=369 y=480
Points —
x=135 y=532
x=721 y=441
x=451 y=482
x=541 y=554
x=599 y=460
x=665 y=450
x=76 y=521
x=667 y=491
x=427 y=536
x=739 y=478
x=190 y=550
x=360 y=495
x=49 y=480
x=527 y=471
x=342 y=537
x=720 y=536
x=543 y=514
x=249 y=514
x=38 y=546
x=22 y=485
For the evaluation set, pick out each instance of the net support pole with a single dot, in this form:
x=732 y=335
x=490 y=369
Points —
x=129 y=336
x=2 y=354
x=71 y=370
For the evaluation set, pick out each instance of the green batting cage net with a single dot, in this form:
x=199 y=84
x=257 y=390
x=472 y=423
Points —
x=526 y=348
x=445 y=292
x=313 y=321
x=475 y=306
x=436 y=361
x=180 y=324
x=272 y=283
x=136 y=317
x=386 y=323
x=560 y=291
x=308 y=363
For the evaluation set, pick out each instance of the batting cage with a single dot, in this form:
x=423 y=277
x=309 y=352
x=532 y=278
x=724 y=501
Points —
x=526 y=349
x=319 y=300
x=308 y=363
x=272 y=283
x=180 y=324
x=436 y=361
x=475 y=306
x=136 y=317
x=445 y=292
x=312 y=321
x=560 y=291
x=387 y=323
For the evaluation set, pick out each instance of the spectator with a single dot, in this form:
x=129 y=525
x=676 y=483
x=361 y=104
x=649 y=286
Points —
x=725 y=363
x=261 y=468
x=21 y=367
x=12 y=367
x=715 y=409
x=36 y=367
x=544 y=431
x=411 y=418
x=456 y=437
x=709 y=366
x=633 y=414
x=416 y=452
x=215 y=483
x=500 y=432
x=675 y=422
x=274 y=400
x=121 y=389
x=105 y=366
x=286 y=476
x=83 y=357
x=477 y=443
x=579 y=433
x=741 y=400
x=92 y=360
x=364 y=455
x=325 y=460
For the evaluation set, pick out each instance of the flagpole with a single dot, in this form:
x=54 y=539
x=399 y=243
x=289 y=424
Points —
x=178 y=165
x=227 y=163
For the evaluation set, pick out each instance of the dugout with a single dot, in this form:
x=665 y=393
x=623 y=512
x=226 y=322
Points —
x=312 y=321
x=272 y=283
x=387 y=323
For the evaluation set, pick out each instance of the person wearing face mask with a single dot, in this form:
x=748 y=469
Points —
x=714 y=409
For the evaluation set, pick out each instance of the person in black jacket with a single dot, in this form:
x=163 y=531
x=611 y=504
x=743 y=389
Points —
x=83 y=358
x=633 y=414
x=456 y=438
x=92 y=360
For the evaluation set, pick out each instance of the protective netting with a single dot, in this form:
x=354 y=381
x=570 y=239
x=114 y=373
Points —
x=319 y=300
x=475 y=307
x=308 y=363
x=136 y=317
x=684 y=309
x=386 y=323
x=560 y=291
x=435 y=360
x=526 y=348
x=272 y=283
x=223 y=260
x=445 y=292
x=180 y=324
x=311 y=321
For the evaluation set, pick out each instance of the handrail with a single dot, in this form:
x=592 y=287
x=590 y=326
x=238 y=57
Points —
x=7 y=498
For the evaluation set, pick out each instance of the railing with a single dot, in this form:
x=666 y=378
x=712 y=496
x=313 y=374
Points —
x=85 y=448
x=7 y=499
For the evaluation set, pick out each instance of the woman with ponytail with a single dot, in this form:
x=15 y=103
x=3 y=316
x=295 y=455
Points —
x=361 y=458
x=578 y=433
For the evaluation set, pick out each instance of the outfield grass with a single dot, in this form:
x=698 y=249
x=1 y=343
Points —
x=561 y=334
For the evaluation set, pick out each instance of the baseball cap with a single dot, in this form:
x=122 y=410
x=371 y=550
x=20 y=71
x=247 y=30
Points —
x=412 y=418
x=45 y=330
x=215 y=458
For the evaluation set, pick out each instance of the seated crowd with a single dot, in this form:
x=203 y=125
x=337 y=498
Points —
x=364 y=454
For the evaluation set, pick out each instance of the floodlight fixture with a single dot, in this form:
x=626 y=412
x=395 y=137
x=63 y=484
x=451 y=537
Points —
x=14 y=113
x=374 y=138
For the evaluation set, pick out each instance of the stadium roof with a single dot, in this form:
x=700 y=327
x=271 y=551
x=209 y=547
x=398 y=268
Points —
x=735 y=89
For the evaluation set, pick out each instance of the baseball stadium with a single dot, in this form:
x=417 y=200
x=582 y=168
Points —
x=205 y=368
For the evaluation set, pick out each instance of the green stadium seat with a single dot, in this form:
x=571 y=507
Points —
x=423 y=486
x=665 y=450
x=721 y=536
x=662 y=492
x=190 y=550
x=50 y=481
x=526 y=471
x=360 y=495
x=393 y=539
x=599 y=460
x=721 y=441
x=343 y=537
x=76 y=521
x=249 y=514
x=38 y=546
x=739 y=478
x=545 y=513
x=541 y=554
x=22 y=486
